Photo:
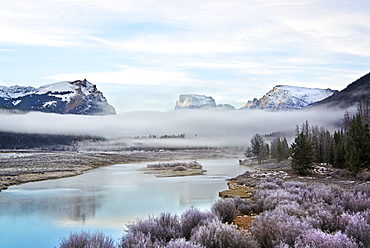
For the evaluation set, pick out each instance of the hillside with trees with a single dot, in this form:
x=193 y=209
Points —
x=11 y=140
x=347 y=148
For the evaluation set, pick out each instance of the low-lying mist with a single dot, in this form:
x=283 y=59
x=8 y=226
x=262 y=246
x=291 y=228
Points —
x=201 y=127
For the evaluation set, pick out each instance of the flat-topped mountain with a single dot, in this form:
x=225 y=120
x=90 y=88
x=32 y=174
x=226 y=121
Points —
x=77 y=97
x=194 y=101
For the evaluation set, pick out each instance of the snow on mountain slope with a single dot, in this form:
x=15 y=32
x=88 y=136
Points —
x=77 y=97
x=284 y=97
x=193 y=101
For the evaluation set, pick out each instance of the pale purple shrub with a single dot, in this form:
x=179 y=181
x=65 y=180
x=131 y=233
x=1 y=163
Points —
x=315 y=238
x=218 y=235
x=193 y=218
x=355 y=201
x=139 y=240
x=182 y=243
x=244 y=206
x=274 y=227
x=328 y=217
x=87 y=240
x=293 y=209
x=359 y=229
x=366 y=215
x=363 y=188
x=180 y=168
x=276 y=198
x=224 y=209
x=160 y=229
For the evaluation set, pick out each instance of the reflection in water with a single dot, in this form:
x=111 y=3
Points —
x=53 y=203
x=105 y=199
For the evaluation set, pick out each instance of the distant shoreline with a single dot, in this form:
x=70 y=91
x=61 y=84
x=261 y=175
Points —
x=23 y=166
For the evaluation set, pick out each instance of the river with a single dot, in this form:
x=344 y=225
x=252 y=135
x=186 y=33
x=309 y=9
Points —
x=38 y=214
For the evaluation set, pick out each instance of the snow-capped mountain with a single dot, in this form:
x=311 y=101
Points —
x=284 y=97
x=194 y=101
x=77 y=97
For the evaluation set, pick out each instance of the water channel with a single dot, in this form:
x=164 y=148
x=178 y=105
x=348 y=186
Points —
x=38 y=214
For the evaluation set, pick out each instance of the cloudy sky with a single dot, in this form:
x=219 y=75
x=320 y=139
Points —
x=143 y=54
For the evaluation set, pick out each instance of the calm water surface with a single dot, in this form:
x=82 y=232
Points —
x=38 y=214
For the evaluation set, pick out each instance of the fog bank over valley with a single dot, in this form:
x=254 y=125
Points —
x=201 y=127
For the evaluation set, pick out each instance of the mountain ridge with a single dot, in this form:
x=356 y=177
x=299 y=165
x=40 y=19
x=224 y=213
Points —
x=351 y=95
x=78 y=97
x=286 y=97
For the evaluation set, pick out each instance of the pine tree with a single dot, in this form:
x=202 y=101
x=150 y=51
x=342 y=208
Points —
x=279 y=149
x=358 y=145
x=285 y=149
x=302 y=154
x=259 y=148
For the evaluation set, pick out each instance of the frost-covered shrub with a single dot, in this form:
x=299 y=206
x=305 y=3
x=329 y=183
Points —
x=366 y=215
x=292 y=209
x=224 y=209
x=269 y=183
x=193 y=218
x=363 y=188
x=218 y=235
x=274 y=227
x=276 y=198
x=139 y=240
x=244 y=206
x=355 y=201
x=328 y=217
x=87 y=240
x=180 y=168
x=182 y=243
x=315 y=238
x=160 y=229
x=359 y=229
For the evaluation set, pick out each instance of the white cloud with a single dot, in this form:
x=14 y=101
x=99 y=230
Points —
x=245 y=46
x=223 y=127
x=129 y=75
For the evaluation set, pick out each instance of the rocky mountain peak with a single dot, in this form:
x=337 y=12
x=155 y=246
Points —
x=194 y=101
x=77 y=97
x=285 y=97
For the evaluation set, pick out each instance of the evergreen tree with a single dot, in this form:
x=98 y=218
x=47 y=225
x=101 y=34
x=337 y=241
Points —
x=302 y=154
x=358 y=145
x=285 y=149
x=279 y=149
x=259 y=148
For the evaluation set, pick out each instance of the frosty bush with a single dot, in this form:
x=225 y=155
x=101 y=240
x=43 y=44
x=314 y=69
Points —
x=359 y=229
x=182 y=243
x=224 y=209
x=363 y=188
x=355 y=201
x=274 y=227
x=328 y=217
x=244 y=206
x=87 y=240
x=159 y=229
x=218 y=235
x=193 y=218
x=318 y=239
x=138 y=240
x=179 y=168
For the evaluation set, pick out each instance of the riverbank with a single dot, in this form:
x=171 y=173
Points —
x=243 y=185
x=22 y=166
